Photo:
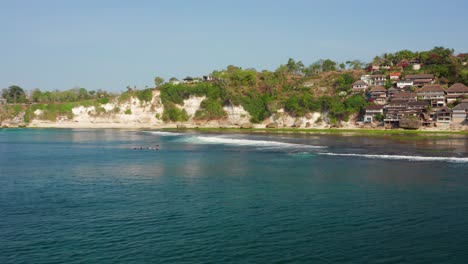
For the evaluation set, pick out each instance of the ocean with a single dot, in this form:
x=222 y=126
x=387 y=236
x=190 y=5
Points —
x=120 y=196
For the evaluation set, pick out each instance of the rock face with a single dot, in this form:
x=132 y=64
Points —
x=133 y=113
x=297 y=123
x=272 y=125
x=192 y=105
x=17 y=121
x=236 y=115
x=246 y=125
x=285 y=120
x=410 y=123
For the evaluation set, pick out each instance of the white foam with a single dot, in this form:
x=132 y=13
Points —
x=398 y=157
x=246 y=142
x=164 y=133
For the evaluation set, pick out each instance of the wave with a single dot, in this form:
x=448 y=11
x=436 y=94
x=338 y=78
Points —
x=398 y=157
x=246 y=142
x=164 y=133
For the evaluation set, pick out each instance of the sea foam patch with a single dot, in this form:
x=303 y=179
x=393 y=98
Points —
x=222 y=140
x=398 y=157
x=164 y=133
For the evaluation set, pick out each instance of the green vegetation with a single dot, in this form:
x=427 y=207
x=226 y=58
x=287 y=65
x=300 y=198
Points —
x=323 y=86
x=158 y=81
x=14 y=95
x=394 y=133
x=128 y=111
x=210 y=109
x=172 y=113
x=145 y=95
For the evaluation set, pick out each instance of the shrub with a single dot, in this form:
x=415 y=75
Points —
x=174 y=114
x=104 y=100
x=128 y=111
x=210 y=109
x=145 y=95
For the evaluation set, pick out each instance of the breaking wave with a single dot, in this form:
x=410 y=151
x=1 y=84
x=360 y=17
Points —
x=398 y=157
x=164 y=133
x=221 y=140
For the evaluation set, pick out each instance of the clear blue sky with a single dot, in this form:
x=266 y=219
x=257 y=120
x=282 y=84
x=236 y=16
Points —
x=111 y=44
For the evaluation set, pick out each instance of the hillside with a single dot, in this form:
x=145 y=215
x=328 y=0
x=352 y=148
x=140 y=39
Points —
x=292 y=95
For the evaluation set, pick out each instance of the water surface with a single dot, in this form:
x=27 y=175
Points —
x=93 y=196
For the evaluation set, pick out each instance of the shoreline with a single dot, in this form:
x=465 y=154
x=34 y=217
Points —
x=237 y=129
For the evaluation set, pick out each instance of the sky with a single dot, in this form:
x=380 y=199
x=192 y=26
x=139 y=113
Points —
x=112 y=44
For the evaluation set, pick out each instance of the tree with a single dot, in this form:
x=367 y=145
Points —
x=344 y=82
x=14 y=94
x=295 y=67
x=36 y=95
x=342 y=66
x=83 y=93
x=173 y=79
x=355 y=64
x=328 y=65
x=158 y=81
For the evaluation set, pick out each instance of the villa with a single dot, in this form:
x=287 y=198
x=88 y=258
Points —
x=371 y=112
x=460 y=112
x=456 y=91
x=420 y=79
x=360 y=86
x=434 y=93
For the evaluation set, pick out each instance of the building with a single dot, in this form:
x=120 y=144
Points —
x=403 y=83
x=378 y=91
x=367 y=79
x=395 y=76
x=190 y=80
x=444 y=115
x=371 y=112
x=360 y=86
x=418 y=105
x=391 y=91
x=433 y=93
x=456 y=91
x=404 y=97
x=208 y=78
x=378 y=79
x=460 y=113
x=378 y=95
x=421 y=79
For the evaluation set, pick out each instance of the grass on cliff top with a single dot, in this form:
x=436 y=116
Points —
x=336 y=131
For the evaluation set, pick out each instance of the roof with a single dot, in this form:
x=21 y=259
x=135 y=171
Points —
x=404 y=94
x=420 y=76
x=395 y=74
x=392 y=89
x=360 y=82
x=445 y=109
x=431 y=88
x=378 y=88
x=458 y=88
x=418 y=103
x=461 y=106
x=378 y=76
x=374 y=107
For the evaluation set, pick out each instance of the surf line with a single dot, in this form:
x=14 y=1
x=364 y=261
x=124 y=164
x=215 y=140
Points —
x=397 y=157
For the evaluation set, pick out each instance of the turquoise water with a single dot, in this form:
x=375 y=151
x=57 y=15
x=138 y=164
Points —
x=88 y=196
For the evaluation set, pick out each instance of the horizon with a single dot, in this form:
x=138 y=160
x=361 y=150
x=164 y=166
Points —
x=54 y=45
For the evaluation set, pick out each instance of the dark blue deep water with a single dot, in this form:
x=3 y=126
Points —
x=87 y=196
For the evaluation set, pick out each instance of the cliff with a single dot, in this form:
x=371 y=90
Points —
x=136 y=113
